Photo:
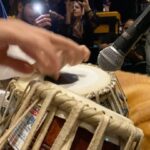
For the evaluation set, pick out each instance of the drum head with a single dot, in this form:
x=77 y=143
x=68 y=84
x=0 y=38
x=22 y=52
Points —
x=83 y=79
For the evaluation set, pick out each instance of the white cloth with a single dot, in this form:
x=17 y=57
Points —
x=15 y=52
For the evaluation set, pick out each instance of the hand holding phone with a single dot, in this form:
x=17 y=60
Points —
x=55 y=15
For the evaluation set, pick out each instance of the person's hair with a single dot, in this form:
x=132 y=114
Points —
x=79 y=1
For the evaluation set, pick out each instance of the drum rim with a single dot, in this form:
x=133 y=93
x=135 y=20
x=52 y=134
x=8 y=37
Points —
x=100 y=91
x=103 y=91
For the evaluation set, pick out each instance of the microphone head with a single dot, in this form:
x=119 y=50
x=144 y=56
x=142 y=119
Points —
x=109 y=59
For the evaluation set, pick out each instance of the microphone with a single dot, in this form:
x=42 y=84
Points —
x=112 y=57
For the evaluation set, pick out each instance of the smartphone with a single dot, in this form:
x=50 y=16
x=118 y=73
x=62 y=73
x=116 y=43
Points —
x=55 y=15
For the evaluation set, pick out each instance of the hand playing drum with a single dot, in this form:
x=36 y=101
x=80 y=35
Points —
x=50 y=51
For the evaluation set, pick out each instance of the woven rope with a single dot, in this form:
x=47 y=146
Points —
x=48 y=99
x=70 y=124
x=97 y=140
x=78 y=108
x=130 y=140
x=44 y=128
x=26 y=101
x=9 y=131
x=116 y=102
x=91 y=113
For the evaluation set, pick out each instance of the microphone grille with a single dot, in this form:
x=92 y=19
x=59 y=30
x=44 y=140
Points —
x=110 y=59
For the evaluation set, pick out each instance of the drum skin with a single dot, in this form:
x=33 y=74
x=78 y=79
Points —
x=137 y=89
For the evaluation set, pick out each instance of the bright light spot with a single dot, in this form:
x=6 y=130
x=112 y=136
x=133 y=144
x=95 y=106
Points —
x=38 y=8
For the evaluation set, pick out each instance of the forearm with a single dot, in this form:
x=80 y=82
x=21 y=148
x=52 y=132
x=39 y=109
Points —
x=87 y=8
x=4 y=34
x=10 y=31
x=68 y=17
x=92 y=19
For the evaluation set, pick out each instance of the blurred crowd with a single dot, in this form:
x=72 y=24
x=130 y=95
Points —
x=78 y=19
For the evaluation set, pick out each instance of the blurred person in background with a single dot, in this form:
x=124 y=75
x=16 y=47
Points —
x=58 y=5
x=106 y=5
x=81 y=21
x=34 y=12
x=80 y=24
x=135 y=59
x=38 y=13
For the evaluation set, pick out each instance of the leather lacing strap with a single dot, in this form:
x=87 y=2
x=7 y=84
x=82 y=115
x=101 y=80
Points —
x=135 y=139
x=82 y=113
x=6 y=106
x=9 y=131
x=5 y=120
x=129 y=145
x=6 y=103
x=139 y=138
x=115 y=100
x=46 y=102
x=96 y=93
x=26 y=101
x=70 y=125
x=4 y=99
x=44 y=129
x=79 y=111
x=21 y=112
x=98 y=138
x=123 y=96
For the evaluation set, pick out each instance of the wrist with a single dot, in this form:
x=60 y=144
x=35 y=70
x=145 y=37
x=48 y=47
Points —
x=88 y=9
x=6 y=31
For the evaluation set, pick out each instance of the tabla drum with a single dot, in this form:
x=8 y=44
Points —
x=51 y=117
x=10 y=100
x=95 y=84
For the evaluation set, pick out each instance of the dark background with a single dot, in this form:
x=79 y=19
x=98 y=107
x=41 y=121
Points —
x=127 y=8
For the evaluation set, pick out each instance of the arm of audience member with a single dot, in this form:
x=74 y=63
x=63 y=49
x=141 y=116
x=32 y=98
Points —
x=43 y=20
x=69 y=9
x=92 y=18
x=50 y=51
x=67 y=31
x=86 y=6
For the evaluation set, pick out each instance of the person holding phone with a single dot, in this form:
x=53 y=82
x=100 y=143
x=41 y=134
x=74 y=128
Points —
x=81 y=21
x=34 y=12
x=49 y=50
x=40 y=14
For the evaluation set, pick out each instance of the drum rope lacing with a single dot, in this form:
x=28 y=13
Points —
x=103 y=91
x=51 y=93
x=44 y=129
x=47 y=101
x=5 y=103
x=21 y=111
x=125 y=126
x=5 y=106
x=70 y=124
x=112 y=95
